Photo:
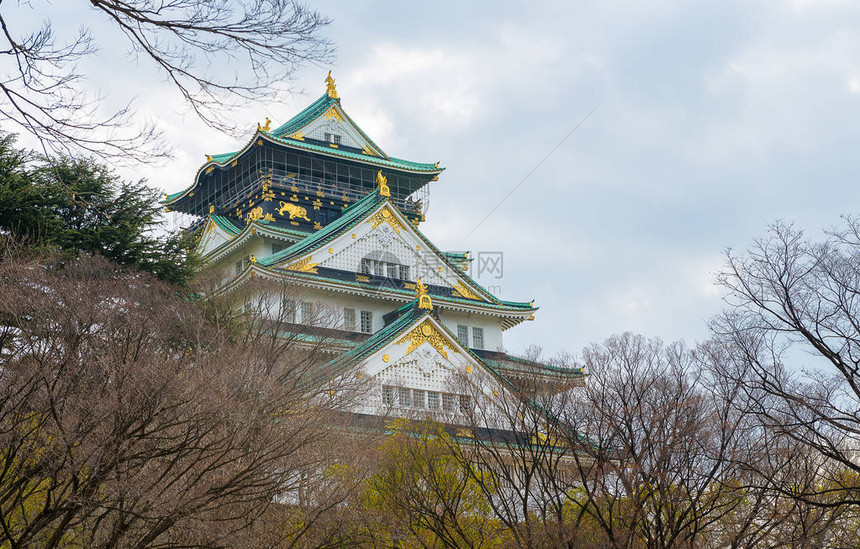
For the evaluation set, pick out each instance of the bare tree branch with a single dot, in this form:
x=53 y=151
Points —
x=217 y=54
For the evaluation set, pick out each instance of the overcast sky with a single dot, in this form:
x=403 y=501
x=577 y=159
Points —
x=713 y=119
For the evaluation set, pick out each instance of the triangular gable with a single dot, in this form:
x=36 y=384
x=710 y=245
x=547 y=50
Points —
x=417 y=351
x=212 y=248
x=373 y=228
x=214 y=235
x=327 y=116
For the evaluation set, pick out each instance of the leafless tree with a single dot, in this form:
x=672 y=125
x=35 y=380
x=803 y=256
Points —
x=511 y=449
x=216 y=54
x=792 y=329
x=643 y=455
x=129 y=418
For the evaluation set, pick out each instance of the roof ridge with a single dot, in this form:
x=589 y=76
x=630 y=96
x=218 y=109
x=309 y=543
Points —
x=305 y=116
x=225 y=224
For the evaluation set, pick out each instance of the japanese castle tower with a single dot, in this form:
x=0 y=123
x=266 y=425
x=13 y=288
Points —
x=316 y=204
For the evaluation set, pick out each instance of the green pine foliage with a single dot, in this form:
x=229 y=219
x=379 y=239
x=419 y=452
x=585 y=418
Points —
x=79 y=206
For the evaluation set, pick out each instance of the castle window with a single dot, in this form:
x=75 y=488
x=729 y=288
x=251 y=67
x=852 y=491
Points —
x=404 y=272
x=288 y=308
x=417 y=398
x=240 y=265
x=403 y=397
x=388 y=395
x=307 y=312
x=478 y=338
x=349 y=319
x=448 y=402
x=332 y=138
x=465 y=404
x=366 y=322
x=433 y=400
x=463 y=334
x=277 y=248
x=365 y=266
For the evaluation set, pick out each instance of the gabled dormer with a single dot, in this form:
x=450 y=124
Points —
x=326 y=123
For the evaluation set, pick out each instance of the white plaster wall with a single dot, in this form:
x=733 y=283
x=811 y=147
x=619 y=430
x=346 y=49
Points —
x=427 y=370
x=349 y=136
x=332 y=304
x=347 y=253
x=212 y=238
x=255 y=246
x=492 y=327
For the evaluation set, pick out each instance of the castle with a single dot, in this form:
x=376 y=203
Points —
x=316 y=204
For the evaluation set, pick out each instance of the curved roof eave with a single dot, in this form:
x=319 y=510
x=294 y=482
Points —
x=515 y=315
x=393 y=163
x=254 y=228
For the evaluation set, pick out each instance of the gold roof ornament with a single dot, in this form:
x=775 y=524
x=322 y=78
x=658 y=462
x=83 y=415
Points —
x=382 y=184
x=265 y=128
x=424 y=301
x=329 y=84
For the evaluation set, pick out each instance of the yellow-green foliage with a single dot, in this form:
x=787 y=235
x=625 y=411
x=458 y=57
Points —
x=24 y=482
x=427 y=493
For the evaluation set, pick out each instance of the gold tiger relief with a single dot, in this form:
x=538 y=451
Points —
x=296 y=212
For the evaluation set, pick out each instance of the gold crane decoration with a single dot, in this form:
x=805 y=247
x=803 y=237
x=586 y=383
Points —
x=382 y=184
x=329 y=84
x=424 y=301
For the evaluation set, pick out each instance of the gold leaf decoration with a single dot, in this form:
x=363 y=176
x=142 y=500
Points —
x=385 y=215
x=332 y=113
x=464 y=291
x=255 y=214
x=304 y=265
x=427 y=332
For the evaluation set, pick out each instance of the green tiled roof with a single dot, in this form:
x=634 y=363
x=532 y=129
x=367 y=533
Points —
x=316 y=109
x=390 y=162
x=309 y=114
x=378 y=340
x=225 y=224
x=410 y=315
x=305 y=117
x=375 y=343
x=503 y=306
x=231 y=228
x=467 y=277
x=281 y=136
x=222 y=158
x=172 y=196
x=504 y=361
x=351 y=217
